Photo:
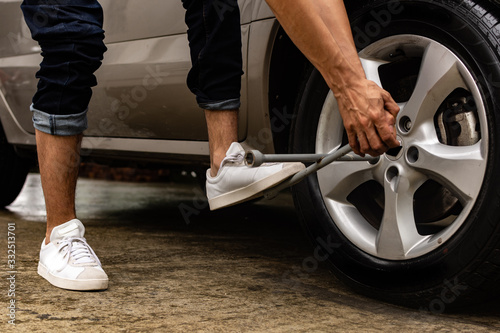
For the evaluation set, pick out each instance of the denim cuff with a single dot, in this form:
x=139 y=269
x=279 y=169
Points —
x=71 y=124
x=228 y=104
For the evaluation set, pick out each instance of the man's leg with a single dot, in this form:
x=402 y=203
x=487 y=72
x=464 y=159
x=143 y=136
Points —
x=58 y=158
x=215 y=42
x=215 y=77
x=222 y=131
x=71 y=38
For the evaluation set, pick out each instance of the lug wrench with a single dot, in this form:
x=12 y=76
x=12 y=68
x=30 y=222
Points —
x=254 y=158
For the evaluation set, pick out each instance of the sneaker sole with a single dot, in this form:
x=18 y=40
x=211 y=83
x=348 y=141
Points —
x=256 y=189
x=80 y=285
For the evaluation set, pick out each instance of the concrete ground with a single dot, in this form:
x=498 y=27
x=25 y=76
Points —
x=176 y=267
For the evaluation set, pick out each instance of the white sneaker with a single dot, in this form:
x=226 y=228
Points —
x=235 y=182
x=68 y=262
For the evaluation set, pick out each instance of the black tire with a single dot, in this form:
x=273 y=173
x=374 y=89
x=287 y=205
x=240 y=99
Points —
x=13 y=171
x=464 y=268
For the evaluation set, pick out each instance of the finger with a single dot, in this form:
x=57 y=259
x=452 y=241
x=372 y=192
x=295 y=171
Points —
x=353 y=142
x=392 y=108
x=377 y=146
x=364 y=145
x=390 y=104
x=387 y=134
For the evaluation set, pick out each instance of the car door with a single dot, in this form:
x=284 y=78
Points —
x=142 y=90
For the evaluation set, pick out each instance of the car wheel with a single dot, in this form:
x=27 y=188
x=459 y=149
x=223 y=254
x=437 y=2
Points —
x=420 y=226
x=13 y=171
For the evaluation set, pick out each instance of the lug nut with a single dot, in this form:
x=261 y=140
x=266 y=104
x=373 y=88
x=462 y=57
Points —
x=405 y=124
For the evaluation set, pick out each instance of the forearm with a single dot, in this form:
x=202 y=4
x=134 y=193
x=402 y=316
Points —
x=320 y=29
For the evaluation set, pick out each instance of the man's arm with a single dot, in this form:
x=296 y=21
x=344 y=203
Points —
x=321 y=30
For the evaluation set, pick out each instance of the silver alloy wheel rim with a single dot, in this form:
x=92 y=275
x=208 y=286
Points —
x=459 y=169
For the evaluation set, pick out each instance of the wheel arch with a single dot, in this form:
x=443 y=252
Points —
x=286 y=72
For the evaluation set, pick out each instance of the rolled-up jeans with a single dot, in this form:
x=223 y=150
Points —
x=71 y=38
x=214 y=36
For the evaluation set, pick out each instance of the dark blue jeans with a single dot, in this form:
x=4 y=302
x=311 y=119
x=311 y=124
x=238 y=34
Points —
x=71 y=38
x=215 y=42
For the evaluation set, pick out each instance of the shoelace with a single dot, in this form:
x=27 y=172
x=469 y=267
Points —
x=234 y=158
x=78 y=249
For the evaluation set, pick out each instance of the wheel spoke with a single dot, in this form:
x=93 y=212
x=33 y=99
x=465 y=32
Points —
x=339 y=179
x=438 y=77
x=398 y=233
x=456 y=168
x=371 y=69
